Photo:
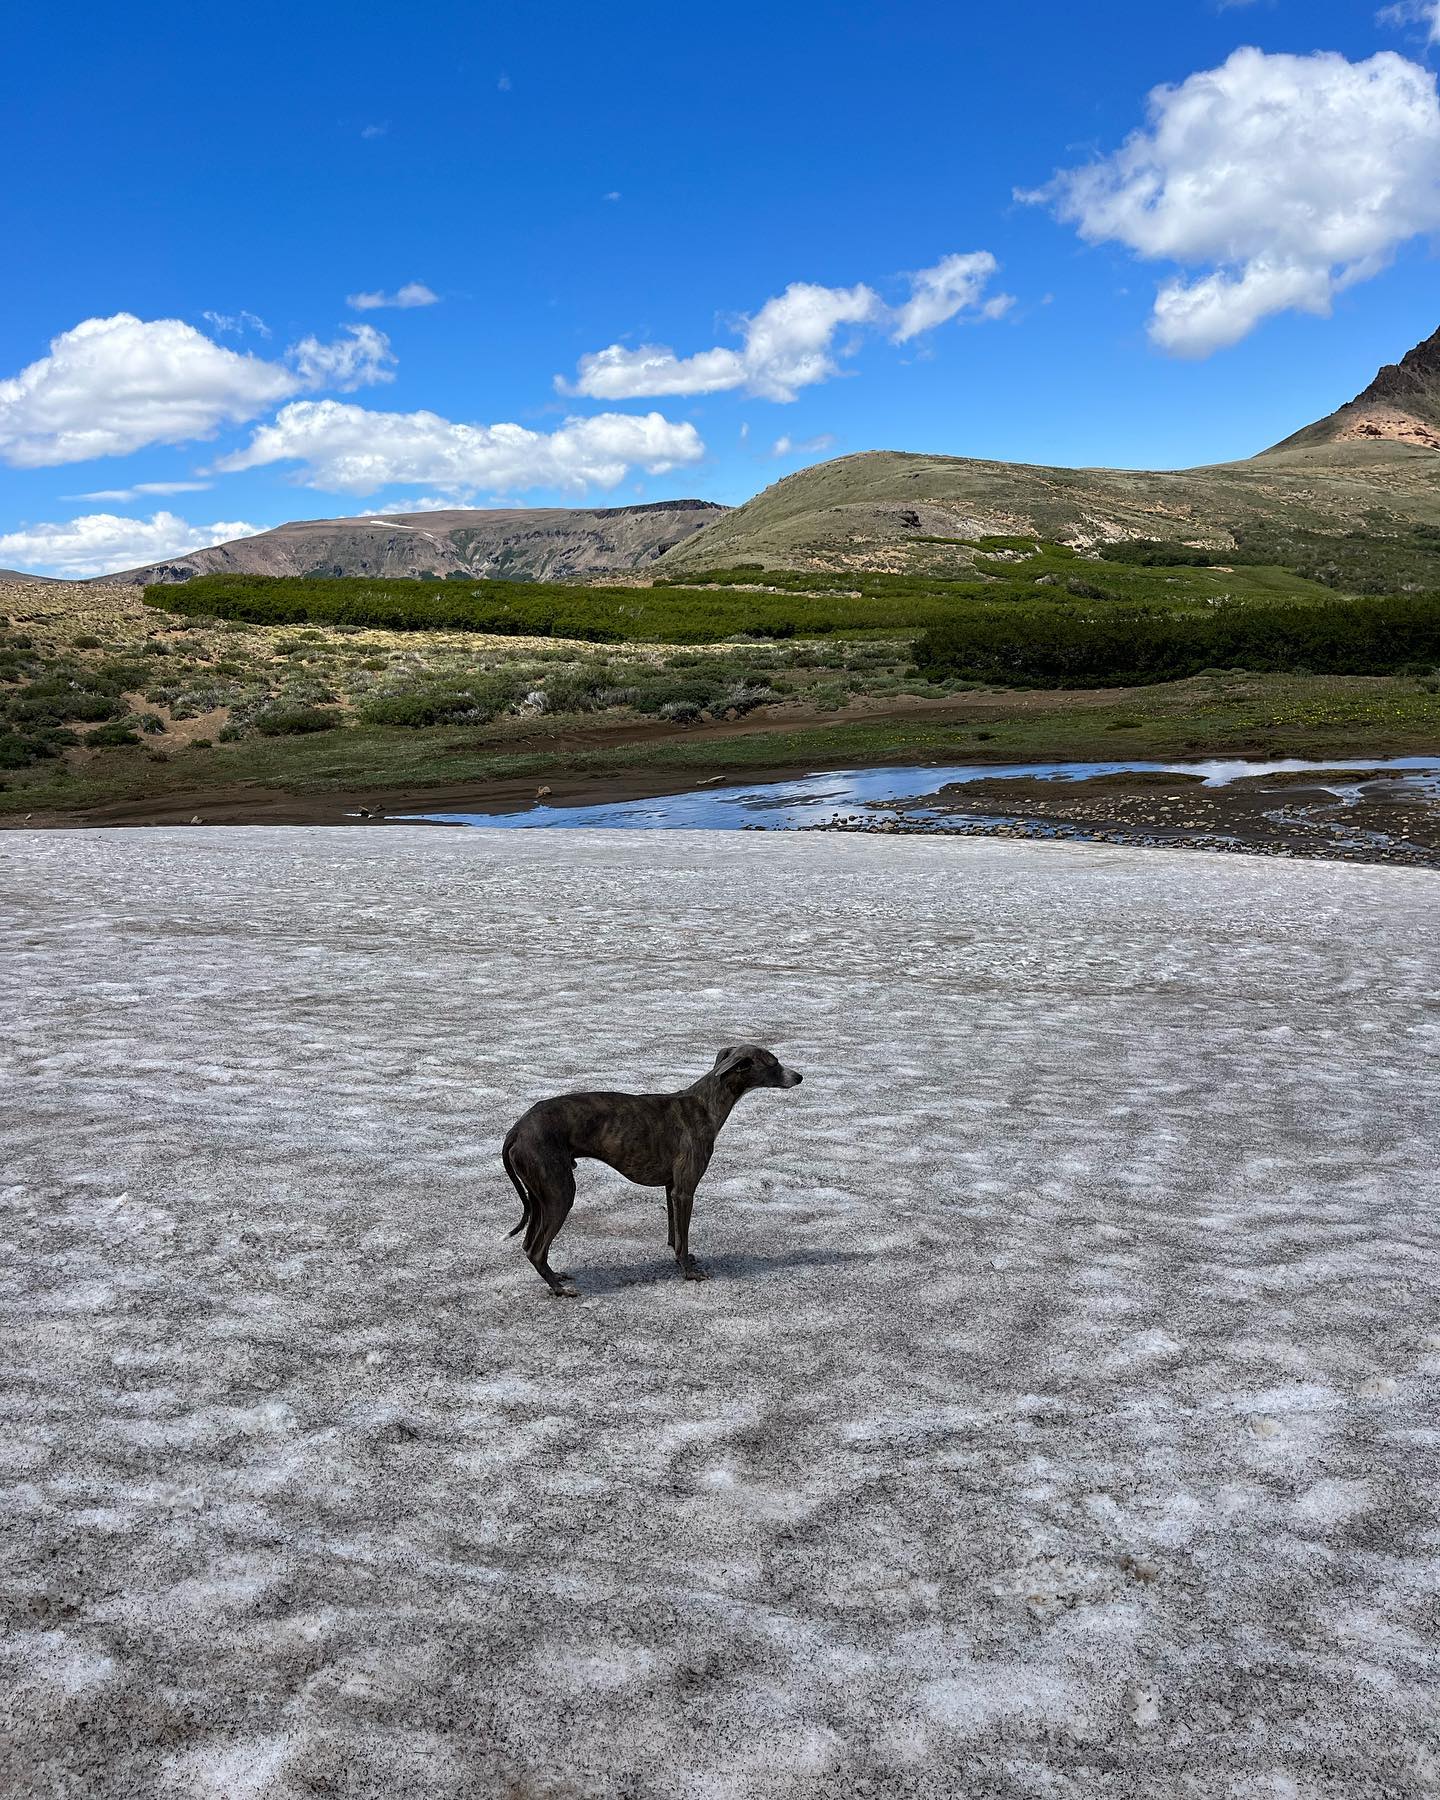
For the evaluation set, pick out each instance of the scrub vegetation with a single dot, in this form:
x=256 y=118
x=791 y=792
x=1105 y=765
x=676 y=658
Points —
x=105 y=699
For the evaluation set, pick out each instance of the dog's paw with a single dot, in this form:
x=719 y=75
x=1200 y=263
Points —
x=693 y=1272
x=564 y=1293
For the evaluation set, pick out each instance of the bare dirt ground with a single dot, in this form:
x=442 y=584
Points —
x=1060 y=1419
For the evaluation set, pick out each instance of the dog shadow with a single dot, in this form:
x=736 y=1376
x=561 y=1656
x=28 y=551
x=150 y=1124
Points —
x=594 y=1279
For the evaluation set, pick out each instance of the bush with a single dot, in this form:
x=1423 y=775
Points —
x=291 y=721
x=19 y=749
x=473 y=701
x=1155 y=553
x=112 y=737
x=59 y=697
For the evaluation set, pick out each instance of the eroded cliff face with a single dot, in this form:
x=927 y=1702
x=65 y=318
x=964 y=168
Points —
x=1402 y=404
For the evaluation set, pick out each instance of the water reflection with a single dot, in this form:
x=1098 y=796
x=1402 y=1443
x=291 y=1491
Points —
x=805 y=800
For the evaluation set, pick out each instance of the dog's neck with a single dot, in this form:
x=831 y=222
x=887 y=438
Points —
x=718 y=1092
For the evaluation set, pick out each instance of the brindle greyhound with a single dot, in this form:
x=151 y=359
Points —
x=654 y=1140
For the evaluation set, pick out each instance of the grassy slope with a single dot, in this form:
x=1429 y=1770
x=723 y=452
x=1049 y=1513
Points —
x=851 y=512
x=1232 y=715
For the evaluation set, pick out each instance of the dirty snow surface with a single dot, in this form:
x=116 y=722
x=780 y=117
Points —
x=1060 y=1419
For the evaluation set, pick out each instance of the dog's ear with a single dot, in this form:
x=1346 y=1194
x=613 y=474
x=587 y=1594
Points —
x=734 y=1056
x=729 y=1050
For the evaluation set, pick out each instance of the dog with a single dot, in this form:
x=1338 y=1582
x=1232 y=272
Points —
x=654 y=1140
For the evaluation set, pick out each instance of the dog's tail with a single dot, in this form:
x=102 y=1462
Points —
x=526 y=1204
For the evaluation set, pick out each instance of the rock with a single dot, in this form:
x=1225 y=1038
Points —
x=542 y=793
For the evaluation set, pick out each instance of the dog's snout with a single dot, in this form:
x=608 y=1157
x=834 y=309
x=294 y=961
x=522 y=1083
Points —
x=791 y=1078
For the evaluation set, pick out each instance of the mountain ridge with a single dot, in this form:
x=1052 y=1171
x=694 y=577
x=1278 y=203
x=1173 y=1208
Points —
x=519 y=543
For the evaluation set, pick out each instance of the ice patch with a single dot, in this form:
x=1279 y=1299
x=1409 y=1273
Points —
x=250 y=1769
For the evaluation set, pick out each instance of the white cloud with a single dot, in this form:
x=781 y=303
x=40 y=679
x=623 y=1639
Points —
x=956 y=284
x=786 y=347
x=1283 y=178
x=504 y=84
x=236 y=324
x=144 y=487
x=111 y=386
x=102 y=543
x=356 y=360
x=788 y=344
x=1424 y=13
x=614 y=194
x=418 y=503
x=815 y=446
x=414 y=293
x=375 y=131
x=350 y=449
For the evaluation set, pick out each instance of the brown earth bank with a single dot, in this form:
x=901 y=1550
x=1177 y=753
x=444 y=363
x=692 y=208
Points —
x=245 y=803
x=1379 y=818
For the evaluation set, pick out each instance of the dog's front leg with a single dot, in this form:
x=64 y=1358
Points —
x=670 y=1213
x=682 y=1203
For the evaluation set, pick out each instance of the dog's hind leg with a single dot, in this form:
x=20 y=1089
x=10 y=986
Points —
x=554 y=1210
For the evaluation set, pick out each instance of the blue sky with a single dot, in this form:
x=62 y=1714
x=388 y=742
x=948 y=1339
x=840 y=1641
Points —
x=983 y=231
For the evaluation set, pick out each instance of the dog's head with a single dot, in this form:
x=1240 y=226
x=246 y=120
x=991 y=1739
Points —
x=753 y=1066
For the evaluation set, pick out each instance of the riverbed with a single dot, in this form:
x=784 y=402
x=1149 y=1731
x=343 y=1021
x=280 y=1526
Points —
x=1380 y=810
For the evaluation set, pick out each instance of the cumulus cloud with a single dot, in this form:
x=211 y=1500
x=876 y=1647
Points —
x=111 y=386
x=789 y=343
x=1284 y=179
x=350 y=449
x=413 y=293
x=102 y=543
x=358 y=359
x=956 y=284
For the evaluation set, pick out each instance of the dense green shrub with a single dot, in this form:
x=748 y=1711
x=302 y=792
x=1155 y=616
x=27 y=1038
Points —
x=61 y=696
x=18 y=749
x=292 y=721
x=660 y=614
x=112 y=737
x=444 y=702
x=1051 y=645
x=1155 y=553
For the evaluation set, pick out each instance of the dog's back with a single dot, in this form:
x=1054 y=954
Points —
x=635 y=1134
